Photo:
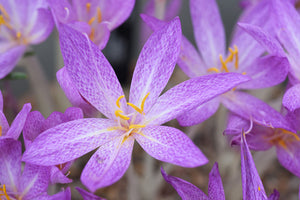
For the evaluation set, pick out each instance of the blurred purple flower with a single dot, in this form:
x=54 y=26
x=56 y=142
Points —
x=96 y=18
x=87 y=195
x=22 y=23
x=139 y=120
x=244 y=57
x=31 y=184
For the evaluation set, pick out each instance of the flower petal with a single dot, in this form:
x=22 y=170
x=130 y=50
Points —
x=208 y=30
x=170 y=145
x=190 y=94
x=274 y=196
x=108 y=164
x=252 y=185
x=70 y=140
x=32 y=127
x=200 y=113
x=185 y=190
x=291 y=98
x=215 y=185
x=156 y=64
x=90 y=71
x=87 y=195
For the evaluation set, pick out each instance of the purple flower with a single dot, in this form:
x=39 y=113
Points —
x=140 y=119
x=31 y=184
x=251 y=183
x=96 y=18
x=87 y=195
x=21 y=23
x=244 y=56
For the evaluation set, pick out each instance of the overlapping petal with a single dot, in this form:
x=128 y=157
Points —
x=87 y=195
x=291 y=98
x=215 y=185
x=170 y=145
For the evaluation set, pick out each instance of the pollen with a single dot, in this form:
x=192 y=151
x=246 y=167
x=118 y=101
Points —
x=88 y=7
x=258 y=188
x=18 y=35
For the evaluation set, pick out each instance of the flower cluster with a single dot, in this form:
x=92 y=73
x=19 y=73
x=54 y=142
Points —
x=105 y=123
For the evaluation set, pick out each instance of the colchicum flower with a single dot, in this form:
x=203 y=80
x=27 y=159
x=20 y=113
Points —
x=22 y=23
x=140 y=119
x=96 y=18
x=251 y=183
x=244 y=56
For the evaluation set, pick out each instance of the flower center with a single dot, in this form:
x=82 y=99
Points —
x=281 y=137
x=233 y=57
x=3 y=192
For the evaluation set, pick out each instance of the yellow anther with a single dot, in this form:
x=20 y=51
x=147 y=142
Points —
x=4 y=192
x=135 y=107
x=88 y=7
x=118 y=101
x=259 y=188
x=99 y=15
x=213 y=69
x=290 y=133
x=132 y=126
x=91 y=20
x=118 y=114
x=3 y=12
x=2 y=21
x=244 y=73
x=143 y=102
x=236 y=51
x=92 y=35
x=230 y=56
x=18 y=35
x=223 y=64
x=0 y=130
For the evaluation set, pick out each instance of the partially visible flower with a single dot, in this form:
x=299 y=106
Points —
x=31 y=183
x=140 y=119
x=87 y=195
x=22 y=23
x=96 y=18
x=36 y=124
x=251 y=183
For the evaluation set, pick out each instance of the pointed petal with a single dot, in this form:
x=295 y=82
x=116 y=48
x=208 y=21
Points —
x=170 y=145
x=208 y=30
x=252 y=185
x=70 y=140
x=274 y=196
x=108 y=164
x=156 y=64
x=63 y=195
x=3 y=123
x=190 y=94
x=200 y=113
x=9 y=60
x=87 y=195
x=185 y=190
x=249 y=107
x=291 y=98
x=57 y=176
x=90 y=71
x=32 y=127
x=17 y=125
x=266 y=72
x=215 y=185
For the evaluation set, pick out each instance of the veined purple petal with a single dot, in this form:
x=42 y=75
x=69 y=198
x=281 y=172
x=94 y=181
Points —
x=72 y=93
x=190 y=94
x=87 y=195
x=200 y=113
x=70 y=140
x=156 y=64
x=90 y=71
x=58 y=176
x=32 y=127
x=1 y=101
x=9 y=59
x=291 y=98
x=17 y=125
x=266 y=72
x=208 y=30
x=3 y=123
x=108 y=164
x=170 y=145
x=185 y=190
x=63 y=195
x=252 y=108
x=252 y=185
x=62 y=11
x=102 y=34
x=274 y=196
x=10 y=165
x=215 y=185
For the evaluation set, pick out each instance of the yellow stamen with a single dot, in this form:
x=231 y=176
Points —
x=118 y=114
x=3 y=11
x=230 y=57
x=244 y=73
x=282 y=143
x=92 y=35
x=118 y=101
x=88 y=7
x=132 y=126
x=259 y=188
x=91 y=20
x=289 y=133
x=135 y=107
x=213 y=69
x=0 y=131
x=18 y=35
x=99 y=15
x=116 y=128
x=223 y=64
x=2 y=21
x=236 y=63
x=4 y=192
x=143 y=102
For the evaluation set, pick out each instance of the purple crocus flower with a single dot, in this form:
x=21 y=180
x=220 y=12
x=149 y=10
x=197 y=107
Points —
x=244 y=56
x=36 y=124
x=251 y=183
x=140 y=119
x=22 y=23
x=31 y=184
x=96 y=18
